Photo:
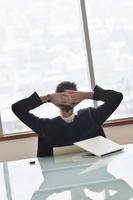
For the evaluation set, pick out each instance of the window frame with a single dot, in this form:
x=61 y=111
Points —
x=28 y=134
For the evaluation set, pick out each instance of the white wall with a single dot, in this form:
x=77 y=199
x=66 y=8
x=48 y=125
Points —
x=120 y=134
x=18 y=149
x=27 y=148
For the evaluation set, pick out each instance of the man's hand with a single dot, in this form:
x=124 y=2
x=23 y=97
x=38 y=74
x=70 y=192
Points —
x=57 y=98
x=61 y=98
x=68 y=98
x=75 y=97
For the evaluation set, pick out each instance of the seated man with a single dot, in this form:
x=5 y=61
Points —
x=68 y=127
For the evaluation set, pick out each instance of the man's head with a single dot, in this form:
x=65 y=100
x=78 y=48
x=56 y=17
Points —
x=61 y=87
x=66 y=85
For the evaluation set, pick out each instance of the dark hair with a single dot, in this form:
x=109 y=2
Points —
x=61 y=87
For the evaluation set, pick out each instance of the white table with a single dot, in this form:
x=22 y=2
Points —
x=69 y=177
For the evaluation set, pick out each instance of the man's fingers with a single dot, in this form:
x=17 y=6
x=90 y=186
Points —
x=67 y=98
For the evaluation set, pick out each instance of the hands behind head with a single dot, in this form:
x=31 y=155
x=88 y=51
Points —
x=68 y=98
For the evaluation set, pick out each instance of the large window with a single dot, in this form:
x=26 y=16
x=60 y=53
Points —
x=111 y=35
x=42 y=43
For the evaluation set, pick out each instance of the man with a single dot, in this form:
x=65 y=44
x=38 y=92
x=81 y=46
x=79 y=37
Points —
x=68 y=127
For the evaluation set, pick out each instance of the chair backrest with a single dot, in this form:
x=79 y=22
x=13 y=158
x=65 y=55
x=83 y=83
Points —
x=66 y=150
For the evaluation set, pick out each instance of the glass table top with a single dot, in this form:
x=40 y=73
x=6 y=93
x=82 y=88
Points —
x=75 y=176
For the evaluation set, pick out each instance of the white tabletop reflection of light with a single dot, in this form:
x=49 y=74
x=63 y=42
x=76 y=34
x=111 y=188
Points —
x=69 y=177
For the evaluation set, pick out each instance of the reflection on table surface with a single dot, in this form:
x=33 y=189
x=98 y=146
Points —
x=69 y=177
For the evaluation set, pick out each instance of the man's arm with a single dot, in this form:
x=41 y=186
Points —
x=111 y=101
x=22 y=111
x=110 y=98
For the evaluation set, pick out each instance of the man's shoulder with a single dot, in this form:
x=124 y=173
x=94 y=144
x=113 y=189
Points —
x=57 y=119
x=85 y=111
x=86 y=115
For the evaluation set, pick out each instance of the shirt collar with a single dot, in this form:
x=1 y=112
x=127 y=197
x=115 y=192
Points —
x=68 y=119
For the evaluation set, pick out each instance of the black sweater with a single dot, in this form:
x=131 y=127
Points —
x=56 y=132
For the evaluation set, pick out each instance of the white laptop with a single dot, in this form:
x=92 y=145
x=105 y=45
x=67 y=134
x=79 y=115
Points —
x=99 y=146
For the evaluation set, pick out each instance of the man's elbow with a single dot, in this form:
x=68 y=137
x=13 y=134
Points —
x=120 y=96
x=14 y=108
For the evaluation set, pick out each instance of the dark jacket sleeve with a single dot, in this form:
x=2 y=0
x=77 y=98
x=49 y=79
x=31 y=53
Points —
x=111 y=101
x=22 y=111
